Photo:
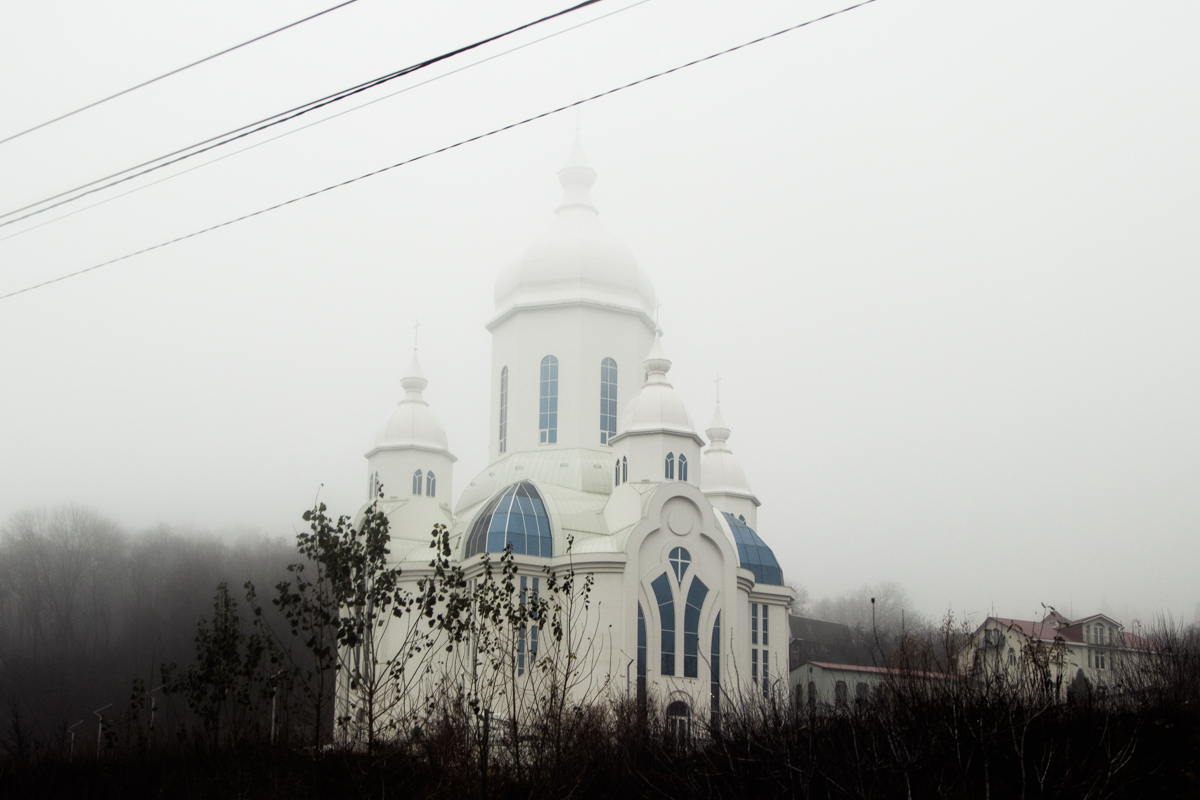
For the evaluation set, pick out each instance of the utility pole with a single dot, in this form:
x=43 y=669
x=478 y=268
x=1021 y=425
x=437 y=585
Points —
x=100 y=730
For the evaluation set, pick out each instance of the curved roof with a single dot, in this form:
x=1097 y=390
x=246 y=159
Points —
x=516 y=517
x=753 y=552
x=656 y=408
x=576 y=259
x=721 y=472
x=412 y=424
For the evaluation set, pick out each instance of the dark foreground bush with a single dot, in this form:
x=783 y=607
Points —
x=894 y=745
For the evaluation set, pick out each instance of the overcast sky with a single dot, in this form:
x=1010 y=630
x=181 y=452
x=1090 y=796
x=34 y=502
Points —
x=943 y=254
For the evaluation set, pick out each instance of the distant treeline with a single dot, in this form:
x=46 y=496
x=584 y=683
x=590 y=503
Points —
x=86 y=608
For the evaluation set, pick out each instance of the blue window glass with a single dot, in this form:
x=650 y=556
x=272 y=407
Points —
x=666 y=616
x=430 y=484
x=715 y=662
x=669 y=467
x=417 y=482
x=608 y=400
x=503 y=409
x=641 y=657
x=691 y=627
x=680 y=558
x=517 y=516
x=754 y=623
x=682 y=467
x=548 y=404
x=753 y=553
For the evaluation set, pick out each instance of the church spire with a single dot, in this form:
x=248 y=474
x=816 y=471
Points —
x=577 y=178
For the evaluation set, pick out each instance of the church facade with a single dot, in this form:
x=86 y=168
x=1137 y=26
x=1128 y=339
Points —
x=595 y=463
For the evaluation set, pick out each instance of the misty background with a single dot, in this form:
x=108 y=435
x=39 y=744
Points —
x=943 y=255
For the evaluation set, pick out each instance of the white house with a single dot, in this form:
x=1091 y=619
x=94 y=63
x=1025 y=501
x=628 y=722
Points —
x=590 y=443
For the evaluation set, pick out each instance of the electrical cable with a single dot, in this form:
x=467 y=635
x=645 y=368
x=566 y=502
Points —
x=320 y=121
x=263 y=124
x=175 y=71
x=444 y=149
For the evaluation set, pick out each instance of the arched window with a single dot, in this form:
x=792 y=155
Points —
x=430 y=484
x=682 y=467
x=624 y=470
x=691 y=628
x=417 y=482
x=666 y=618
x=679 y=721
x=608 y=400
x=641 y=658
x=680 y=560
x=714 y=684
x=548 y=405
x=616 y=473
x=669 y=467
x=503 y=409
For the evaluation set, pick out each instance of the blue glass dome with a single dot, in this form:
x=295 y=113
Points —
x=753 y=552
x=517 y=516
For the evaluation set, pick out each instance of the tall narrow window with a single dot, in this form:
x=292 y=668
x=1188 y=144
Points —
x=521 y=632
x=417 y=481
x=754 y=665
x=691 y=627
x=765 y=633
x=503 y=409
x=624 y=469
x=682 y=467
x=641 y=658
x=766 y=680
x=430 y=484
x=616 y=473
x=548 y=405
x=608 y=400
x=669 y=467
x=754 y=623
x=714 y=681
x=666 y=618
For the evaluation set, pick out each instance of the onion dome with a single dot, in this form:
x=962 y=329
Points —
x=576 y=259
x=722 y=473
x=412 y=424
x=656 y=408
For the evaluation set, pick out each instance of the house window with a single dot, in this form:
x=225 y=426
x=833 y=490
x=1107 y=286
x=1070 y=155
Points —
x=682 y=467
x=765 y=632
x=691 y=628
x=503 y=409
x=616 y=473
x=754 y=623
x=608 y=400
x=548 y=404
x=624 y=470
x=430 y=484
x=666 y=618
x=669 y=467
x=417 y=476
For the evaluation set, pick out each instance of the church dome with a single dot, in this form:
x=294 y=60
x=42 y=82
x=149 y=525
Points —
x=656 y=407
x=576 y=259
x=412 y=424
x=722 y=474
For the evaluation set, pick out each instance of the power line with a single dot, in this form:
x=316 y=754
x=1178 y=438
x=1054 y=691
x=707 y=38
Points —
x=325 y=119
x=438 y=151
x=176 y=71
x=181 y=154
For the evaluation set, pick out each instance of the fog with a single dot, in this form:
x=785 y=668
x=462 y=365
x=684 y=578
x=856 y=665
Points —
x=943 y=255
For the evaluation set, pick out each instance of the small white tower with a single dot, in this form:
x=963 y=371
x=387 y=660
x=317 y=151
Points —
x=655 y=434
x=413 y=464
x=724 y=482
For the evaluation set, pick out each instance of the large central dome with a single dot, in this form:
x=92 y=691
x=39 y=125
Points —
x=576 y=259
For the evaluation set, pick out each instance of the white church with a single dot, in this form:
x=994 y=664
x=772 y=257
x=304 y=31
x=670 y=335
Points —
x=590 y=444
